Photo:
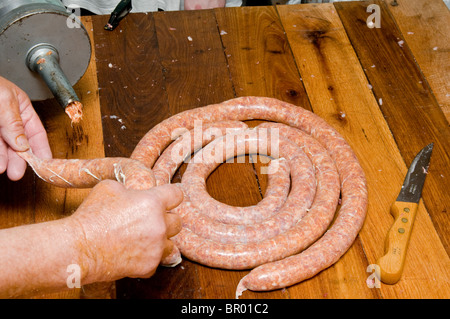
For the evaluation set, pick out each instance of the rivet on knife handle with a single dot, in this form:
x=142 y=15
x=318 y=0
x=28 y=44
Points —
x=396 y=245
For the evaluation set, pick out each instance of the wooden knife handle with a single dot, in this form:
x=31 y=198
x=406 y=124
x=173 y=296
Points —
x=397 y=240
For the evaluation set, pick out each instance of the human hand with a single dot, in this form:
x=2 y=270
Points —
x=126 y=231
x=20 y=129
x=203 y=4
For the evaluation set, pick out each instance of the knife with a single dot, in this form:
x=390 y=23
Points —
x=404 y=211
x=122 y=9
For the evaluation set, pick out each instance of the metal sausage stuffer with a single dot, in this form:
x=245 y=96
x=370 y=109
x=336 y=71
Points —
x=44 y=48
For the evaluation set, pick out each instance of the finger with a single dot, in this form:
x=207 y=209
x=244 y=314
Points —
x=34 y=130
x=173 y=223
x=169 y=195
x=11 y=125
x=3 y=156
x=16 y=166
x=40 y=145
x=168 y=248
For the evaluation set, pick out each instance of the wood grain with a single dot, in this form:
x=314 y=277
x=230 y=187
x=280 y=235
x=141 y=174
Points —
x=407 y=103
x=132 y=94
x=131 y=88
x=258 y=54
x=192 y=58
x=425 y=26
x=338 y=91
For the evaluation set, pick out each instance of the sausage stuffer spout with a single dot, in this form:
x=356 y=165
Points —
x=45 y=50
x=44 y=60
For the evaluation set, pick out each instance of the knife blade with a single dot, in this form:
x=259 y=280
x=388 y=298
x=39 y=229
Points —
x=404 y=212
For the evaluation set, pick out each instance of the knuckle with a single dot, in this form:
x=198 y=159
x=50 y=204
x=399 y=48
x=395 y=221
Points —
x=7 y=96
x=15 y=124
x=152 y=204
x=160 y=230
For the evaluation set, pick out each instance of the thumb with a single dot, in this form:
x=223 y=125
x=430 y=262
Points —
x=11 y=125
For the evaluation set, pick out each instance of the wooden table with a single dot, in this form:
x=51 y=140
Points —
x=386 y=90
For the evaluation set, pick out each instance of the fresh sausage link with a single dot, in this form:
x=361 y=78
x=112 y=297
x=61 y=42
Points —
x=275 y=195
x=274 y=198
x=86 y=173
x=293 y=209
x=285 y=257
x=188 y=141
x=262 y=251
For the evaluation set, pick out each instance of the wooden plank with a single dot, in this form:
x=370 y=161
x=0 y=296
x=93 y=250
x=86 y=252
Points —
x=339 y=92
x=192 y=58
x=194 y=64
x=131 y=88
x=407 y=102
x=322 y=52
x=425 y=26
x=259 y=55
x=133 y=99
x=260 y=63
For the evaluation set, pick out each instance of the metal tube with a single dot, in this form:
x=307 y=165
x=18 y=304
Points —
x=44 y=59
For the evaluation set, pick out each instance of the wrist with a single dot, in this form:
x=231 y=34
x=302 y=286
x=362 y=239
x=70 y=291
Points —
x=84 y=251
x=42 y=257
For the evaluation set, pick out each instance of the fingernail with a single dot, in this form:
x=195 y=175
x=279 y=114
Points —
x=22 y=142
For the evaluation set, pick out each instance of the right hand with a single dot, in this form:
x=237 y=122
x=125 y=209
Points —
x=126 y=232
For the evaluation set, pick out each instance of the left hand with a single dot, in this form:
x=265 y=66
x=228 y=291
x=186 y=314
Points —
x=20 y=129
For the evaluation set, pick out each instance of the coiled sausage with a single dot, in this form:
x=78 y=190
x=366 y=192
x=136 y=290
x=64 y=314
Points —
x=304 y=245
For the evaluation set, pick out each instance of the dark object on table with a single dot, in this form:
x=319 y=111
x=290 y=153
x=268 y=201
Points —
x=120 y=12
